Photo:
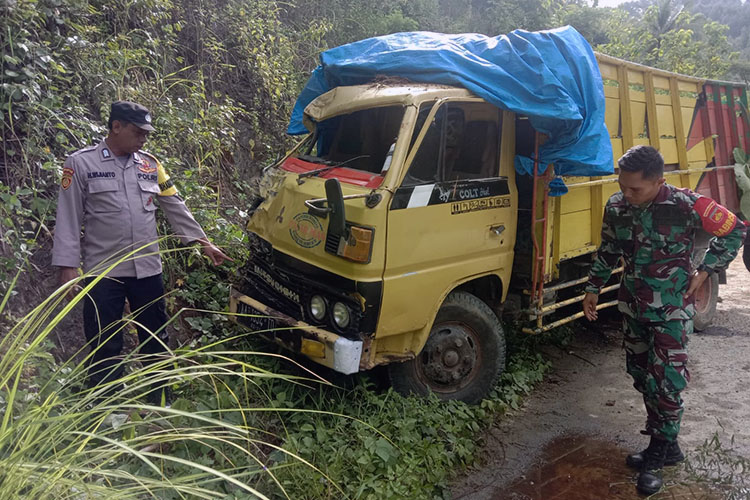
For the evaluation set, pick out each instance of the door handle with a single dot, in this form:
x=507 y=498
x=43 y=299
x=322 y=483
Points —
x=498 y=230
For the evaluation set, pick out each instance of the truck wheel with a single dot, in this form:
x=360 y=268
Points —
x=706 y=298
x=463 y=357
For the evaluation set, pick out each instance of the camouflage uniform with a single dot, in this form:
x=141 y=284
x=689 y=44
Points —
x=656 y=242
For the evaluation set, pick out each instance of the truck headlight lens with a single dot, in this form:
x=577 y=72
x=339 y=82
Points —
x=318 y=307
x=341 y=315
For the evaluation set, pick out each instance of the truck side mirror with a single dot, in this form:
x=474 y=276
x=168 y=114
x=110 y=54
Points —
x=335 y=202
x=350 y=242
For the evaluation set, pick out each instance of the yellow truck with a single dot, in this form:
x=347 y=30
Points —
x=401 y=235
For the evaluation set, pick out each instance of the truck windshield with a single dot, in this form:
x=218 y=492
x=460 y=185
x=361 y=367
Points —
x=360 y=140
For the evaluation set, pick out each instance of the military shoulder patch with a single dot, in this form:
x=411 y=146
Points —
x=716 y=219
x=67 y=177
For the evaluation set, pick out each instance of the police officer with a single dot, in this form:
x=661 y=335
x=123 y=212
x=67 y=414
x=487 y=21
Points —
x=652 y=226
x=113 y=190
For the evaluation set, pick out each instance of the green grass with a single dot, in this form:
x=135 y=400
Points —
x=58 y=440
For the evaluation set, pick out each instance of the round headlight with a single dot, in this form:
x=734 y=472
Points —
x=341 y=315
x=318 y=307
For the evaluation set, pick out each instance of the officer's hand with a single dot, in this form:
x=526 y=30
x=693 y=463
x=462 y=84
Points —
x=214 y=253
x=589 y=306
x=69 y=274
x=695 y=282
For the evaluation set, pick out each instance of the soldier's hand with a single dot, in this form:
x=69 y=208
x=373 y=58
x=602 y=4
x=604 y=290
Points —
x=69 y=274
x=214 y=253
x=589 y=306
x=696 y=280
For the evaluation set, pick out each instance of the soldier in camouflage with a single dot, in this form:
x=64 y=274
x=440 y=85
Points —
x=652 y=226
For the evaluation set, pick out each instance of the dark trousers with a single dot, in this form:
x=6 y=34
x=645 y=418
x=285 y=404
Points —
x=104 y=327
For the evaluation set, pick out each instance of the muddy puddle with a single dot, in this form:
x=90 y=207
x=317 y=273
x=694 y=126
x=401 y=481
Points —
x=586 y=468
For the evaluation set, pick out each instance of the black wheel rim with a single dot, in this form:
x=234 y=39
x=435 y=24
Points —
x=451 y=359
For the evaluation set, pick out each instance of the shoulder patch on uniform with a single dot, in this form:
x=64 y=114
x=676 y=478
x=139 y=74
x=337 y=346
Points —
x=165 y=183
x=166 y=186
x=146 y=167
x=716 y=219
x=67 y=177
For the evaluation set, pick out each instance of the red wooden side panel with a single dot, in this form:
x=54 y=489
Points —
x=743 y=128
x=724 y=116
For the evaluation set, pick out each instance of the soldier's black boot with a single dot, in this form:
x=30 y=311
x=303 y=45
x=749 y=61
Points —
x=674 y=456
x=650 y=480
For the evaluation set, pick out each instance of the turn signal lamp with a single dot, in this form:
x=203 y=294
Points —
x=358 y=246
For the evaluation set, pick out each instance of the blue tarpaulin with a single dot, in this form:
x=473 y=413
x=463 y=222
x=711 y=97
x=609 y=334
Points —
x=550 y=76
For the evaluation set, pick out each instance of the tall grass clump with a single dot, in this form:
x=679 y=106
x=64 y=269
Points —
x=59 y=439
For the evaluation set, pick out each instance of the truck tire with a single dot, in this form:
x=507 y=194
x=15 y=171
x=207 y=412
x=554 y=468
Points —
x=706 y=298
x=463 y=356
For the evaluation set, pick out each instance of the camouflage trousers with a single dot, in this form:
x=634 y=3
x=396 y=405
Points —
x=656 y=357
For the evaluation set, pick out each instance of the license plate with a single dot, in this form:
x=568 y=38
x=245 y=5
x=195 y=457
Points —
x=258 y=321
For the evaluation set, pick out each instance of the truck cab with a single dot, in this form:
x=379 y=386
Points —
x=399 y=196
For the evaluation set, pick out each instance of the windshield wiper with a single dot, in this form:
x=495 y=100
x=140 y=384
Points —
x=314 y=173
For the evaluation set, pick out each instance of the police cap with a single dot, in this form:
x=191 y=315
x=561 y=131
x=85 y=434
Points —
x=131 y=112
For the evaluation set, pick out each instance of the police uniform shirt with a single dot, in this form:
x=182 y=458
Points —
x=115 y=202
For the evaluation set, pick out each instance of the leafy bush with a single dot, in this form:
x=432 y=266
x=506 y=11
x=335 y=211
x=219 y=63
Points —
x=239 y=428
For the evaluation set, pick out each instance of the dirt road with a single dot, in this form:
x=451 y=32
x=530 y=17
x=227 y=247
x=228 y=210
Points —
x=571 y=436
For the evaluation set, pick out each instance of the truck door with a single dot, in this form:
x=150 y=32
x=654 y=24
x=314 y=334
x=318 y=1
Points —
x=451 y=217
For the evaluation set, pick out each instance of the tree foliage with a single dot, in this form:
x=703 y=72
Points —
x=669 y=37
x=734 y=14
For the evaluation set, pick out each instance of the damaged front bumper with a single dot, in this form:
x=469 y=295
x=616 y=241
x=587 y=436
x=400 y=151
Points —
x=323 y=347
